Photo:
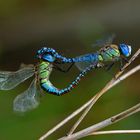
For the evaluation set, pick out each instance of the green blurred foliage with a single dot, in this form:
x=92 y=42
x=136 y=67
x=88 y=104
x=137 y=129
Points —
x=70 y=27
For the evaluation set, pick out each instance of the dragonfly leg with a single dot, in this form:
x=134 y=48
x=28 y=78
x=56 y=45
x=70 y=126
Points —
x=122 y=61
x=70 y=67
x=121 y=64
x=125 y=60
x=108 y=67
x=58 y=62
x=62 y=70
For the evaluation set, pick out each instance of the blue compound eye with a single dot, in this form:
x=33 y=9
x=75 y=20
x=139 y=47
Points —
x=47 y=54
x=41 y=52
x=48 y=57
x=125 y=49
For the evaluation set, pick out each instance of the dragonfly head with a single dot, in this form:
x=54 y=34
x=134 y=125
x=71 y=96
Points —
x=125 y=49
x=46 y=54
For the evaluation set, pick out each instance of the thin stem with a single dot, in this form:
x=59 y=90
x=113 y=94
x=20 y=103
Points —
x=102 y=124
x=98 y=95
x=116 y=132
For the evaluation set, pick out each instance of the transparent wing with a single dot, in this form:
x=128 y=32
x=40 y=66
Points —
x=27 y=100
x=82 y=65
x=104 y=42
x=9 y=80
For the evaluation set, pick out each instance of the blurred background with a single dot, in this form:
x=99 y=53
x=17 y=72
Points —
x=70 y=27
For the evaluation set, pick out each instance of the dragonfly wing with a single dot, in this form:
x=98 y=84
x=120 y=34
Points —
x=82 y=65
x=9 y=80
x=27 y=100
x=104 y=42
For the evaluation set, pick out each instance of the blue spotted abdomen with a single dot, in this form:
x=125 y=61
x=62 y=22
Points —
x=50 y=88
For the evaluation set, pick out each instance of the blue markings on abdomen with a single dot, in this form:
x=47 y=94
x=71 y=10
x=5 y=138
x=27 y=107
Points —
x=92 y=57
x=49 y=51
x=87 y=57
x=53 y=90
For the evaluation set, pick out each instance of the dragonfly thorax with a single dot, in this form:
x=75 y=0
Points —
x=109 y=53
x=44 y=70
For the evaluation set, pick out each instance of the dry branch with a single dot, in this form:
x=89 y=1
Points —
x=103 y=124
x=116 y=132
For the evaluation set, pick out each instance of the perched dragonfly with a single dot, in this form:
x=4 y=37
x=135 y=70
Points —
x=108 y=52
x=29 y=99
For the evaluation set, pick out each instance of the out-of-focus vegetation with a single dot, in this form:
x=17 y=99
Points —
x=70 y=27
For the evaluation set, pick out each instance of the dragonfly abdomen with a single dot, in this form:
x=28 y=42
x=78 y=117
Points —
x=48 y=86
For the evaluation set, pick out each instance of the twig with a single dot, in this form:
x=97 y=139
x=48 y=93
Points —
x=105 y=123
x=99 y=94
x=116 y=132
x=79 y=109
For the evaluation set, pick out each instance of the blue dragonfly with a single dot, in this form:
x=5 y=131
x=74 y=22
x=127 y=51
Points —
x=107 y=52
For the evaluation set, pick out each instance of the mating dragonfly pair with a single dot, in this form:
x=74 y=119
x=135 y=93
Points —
x=49 y=59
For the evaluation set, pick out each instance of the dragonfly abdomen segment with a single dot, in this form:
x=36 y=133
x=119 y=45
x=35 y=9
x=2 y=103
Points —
x=93 y=57
x=88 y=57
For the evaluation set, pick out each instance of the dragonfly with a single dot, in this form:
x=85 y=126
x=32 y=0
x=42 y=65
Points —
x=108 y=52
x=29 y=99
